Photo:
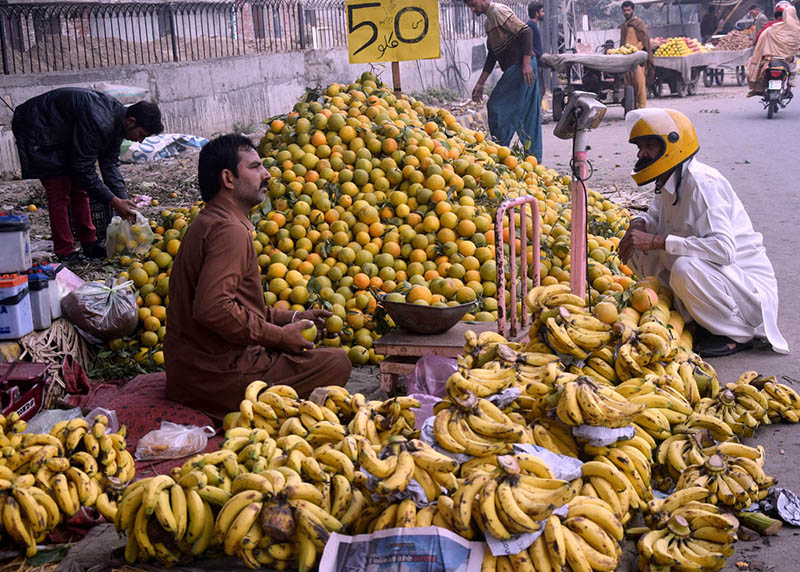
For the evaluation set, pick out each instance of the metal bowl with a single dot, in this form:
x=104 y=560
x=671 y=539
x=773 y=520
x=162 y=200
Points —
x=427 y=320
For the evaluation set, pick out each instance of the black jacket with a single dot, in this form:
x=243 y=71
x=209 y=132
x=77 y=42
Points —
x=66 y=132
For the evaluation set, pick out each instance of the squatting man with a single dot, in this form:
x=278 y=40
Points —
x=697 y=237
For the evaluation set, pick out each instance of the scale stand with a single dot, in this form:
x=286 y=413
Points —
x=582 y=113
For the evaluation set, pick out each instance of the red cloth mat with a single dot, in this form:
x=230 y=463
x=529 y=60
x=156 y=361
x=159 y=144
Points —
x=141 y=405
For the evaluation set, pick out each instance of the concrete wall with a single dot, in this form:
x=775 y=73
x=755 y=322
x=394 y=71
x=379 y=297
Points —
x=204 y=98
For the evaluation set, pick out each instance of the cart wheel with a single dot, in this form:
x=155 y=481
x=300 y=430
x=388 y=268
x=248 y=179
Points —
x=691 y=88
x=741 y=78
x=678 y=87
x=708 y=77
x=627 y=99
x=558 y=103
x=719 y=76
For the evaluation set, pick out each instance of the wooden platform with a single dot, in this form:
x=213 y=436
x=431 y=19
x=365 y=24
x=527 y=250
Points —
x=402 y=349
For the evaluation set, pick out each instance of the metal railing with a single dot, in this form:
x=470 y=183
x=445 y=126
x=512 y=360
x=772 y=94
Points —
x=36 y=38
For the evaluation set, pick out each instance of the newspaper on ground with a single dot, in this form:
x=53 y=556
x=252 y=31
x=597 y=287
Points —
x=428 y=549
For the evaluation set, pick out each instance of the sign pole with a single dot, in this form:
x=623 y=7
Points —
x=396 y=77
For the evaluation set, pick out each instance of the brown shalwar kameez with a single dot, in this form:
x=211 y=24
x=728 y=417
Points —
x=221 y=336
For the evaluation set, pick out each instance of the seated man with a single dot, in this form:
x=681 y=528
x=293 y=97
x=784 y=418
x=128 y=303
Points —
x=697 y=237
x=220 y=335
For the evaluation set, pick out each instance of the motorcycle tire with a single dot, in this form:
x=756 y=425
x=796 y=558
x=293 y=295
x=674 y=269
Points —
x=772 y=107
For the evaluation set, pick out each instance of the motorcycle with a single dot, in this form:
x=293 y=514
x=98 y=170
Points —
x=776 y=86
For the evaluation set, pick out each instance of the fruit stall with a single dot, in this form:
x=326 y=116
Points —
x=377 y=199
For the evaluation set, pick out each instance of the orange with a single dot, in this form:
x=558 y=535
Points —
x=418 y=293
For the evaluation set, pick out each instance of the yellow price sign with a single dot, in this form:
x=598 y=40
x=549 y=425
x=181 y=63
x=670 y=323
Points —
x=392 y=30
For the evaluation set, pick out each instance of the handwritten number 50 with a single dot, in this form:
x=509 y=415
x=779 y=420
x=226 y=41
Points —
x=371 y=25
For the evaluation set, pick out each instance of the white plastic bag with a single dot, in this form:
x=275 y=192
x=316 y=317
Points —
x=113 y=422
x=125 y=238
x=173 y=441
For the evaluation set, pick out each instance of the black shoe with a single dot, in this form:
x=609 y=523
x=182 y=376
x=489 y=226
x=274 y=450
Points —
x=74 y=256
x=721 y=346
x=95 y=250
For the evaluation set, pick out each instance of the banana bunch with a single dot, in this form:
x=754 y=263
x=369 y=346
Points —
x=741 y=406
x=481 y=349
x=165 y=521
x=732 y=481
x=264 y=407
x=626 y=49
x=664 y=408
x=583 y=401
x=546 y=301
x=482 y=382
x=317 y=424
x=95 y=452
x=553 y=436
x=605 y=482
x=677 y=453
x=512 y=499
x=476 y=427
x=400 y=461
x=29 y=513
x=701 y=542
x=705 y=377
x=600 y=366
x=635 y=466
x=720 y=431
x=395 y=417
x=11 y=431
x=783 y=402
x=587 y=539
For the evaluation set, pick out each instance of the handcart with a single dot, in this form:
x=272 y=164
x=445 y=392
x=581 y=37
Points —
x=732 y=61
x=600 y=74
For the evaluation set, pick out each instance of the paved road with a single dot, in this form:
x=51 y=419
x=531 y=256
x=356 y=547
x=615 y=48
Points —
x=760 y=159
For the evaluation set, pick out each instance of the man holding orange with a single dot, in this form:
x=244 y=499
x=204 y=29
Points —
x=221 y=336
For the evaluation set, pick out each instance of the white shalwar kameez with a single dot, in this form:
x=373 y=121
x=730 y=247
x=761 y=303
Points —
x=714 y=262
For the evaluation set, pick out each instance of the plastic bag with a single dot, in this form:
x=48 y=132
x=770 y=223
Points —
x=103 y=310
x=46 y=419
x=161 y=146
x=426 y=403
x=173 y=441
x=113 y=422
x=125 y=238
x=430 y=375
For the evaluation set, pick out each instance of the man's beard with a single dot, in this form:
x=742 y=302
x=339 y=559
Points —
x=642 y=163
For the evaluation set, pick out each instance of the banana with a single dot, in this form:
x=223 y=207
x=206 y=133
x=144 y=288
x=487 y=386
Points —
x=232 y=508
x=555 y=543
x=568 y=409
x=154 y=486
x=512 y=511
x=240 y=527
x=164 y=514
x=207 y=535
x=597 y=511
x=380 y=468
x=406 y=514
x=488 y=509
x=15 y=526
x=401 y=476
x=253 y=389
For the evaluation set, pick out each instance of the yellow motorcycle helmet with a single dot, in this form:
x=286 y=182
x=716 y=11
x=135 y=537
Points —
x=674 y=130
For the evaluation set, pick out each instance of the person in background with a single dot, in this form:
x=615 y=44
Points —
x=634 y=32
x=759 y=20
x=709 y=23
x=777 y=17
x=697 y=237
x=514 y=106
x=776 y=40
x=61 y=136
x=536 y=15
x=221 y=336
